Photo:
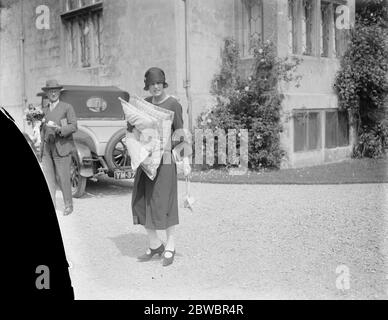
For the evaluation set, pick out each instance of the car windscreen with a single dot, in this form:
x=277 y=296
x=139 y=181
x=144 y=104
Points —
x=95 y=104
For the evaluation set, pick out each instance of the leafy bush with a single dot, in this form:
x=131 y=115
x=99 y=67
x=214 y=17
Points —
x=253 y=103
x=362 y=83
x=372 y=141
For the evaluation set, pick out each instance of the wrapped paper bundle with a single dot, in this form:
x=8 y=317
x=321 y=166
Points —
x=137 y=150
x=151 y=135
x=161 y=136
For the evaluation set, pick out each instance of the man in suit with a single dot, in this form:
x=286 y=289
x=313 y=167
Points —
x=58 y=126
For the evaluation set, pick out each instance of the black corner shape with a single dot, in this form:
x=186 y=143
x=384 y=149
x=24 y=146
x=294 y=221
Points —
x=33 y=255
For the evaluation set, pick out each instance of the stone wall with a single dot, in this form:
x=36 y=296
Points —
x=315 y=92
x=210 y=23
x=10 y=62
x=137 y=34
x=130 y=45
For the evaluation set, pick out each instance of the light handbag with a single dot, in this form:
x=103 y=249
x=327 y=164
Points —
x=183 y=167
x=182 y=164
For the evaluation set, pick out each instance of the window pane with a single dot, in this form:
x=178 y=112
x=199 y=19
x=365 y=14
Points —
x=343 y=129
x=72 y=4
x=325 y=29
x=331 y=129
x=314 y=131
x=335 y=35
x=251 y=20
x=340 y=37
x=85 y=2
x=245 y=30
x=300 y=132
x=100 y=32
x=292 y=39
x=73 y=44
x=96 y=37
x=84 y=41
x=83 y=30
x=255 y=21
x=307 y=27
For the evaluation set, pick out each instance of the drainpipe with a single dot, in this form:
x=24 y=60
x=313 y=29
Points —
x=23 y=72
x=187 y=82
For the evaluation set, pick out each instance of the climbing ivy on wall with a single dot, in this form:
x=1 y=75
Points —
x=362 y=82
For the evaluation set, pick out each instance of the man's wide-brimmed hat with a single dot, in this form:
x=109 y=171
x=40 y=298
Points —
x=154 y=75
x=52 y=84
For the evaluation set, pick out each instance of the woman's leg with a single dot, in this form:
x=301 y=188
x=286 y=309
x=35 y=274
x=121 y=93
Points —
x=170 y=245
x=154 y=241
x=155 y=246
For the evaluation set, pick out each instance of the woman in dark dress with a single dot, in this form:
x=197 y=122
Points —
x=155 y=202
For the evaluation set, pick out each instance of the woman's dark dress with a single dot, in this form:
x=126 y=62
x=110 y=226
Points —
x=155 y=202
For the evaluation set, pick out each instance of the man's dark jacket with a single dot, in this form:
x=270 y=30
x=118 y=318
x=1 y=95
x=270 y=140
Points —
x=64 y=116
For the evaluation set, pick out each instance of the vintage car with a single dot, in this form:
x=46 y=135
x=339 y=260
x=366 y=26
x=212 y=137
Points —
x=100 y=139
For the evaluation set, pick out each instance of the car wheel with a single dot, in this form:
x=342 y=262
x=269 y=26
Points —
x=78 y=182
x=116 y=153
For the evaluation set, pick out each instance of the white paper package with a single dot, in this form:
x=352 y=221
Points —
x=151 y=135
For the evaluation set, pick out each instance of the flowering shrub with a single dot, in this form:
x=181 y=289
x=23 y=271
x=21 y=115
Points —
x=33 y=114
x=253 y=103
x=362 y=82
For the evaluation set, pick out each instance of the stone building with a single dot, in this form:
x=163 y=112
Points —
x=113 y=42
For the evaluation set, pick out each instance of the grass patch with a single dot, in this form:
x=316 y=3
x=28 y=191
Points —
x=348 y=171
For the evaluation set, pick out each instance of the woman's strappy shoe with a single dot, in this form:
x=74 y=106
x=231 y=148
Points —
x=168 y=261
x=148 y=256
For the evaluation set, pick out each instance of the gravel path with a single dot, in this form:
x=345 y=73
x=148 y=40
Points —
x=242 y=242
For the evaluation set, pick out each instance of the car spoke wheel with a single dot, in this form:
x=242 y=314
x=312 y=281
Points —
x=116 y=152
x=120 y=154
x=78 y=182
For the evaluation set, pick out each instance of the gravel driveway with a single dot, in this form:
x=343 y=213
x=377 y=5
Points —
x=242 y=242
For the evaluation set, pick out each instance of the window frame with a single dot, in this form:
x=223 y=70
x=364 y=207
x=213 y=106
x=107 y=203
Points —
x=337 y=130
x=322 y=130
x=307 y=35
x=316 y=36
x=292 y=24
x=243 y=32
x=80 y=7
x=307 y=126
x=71 y=20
